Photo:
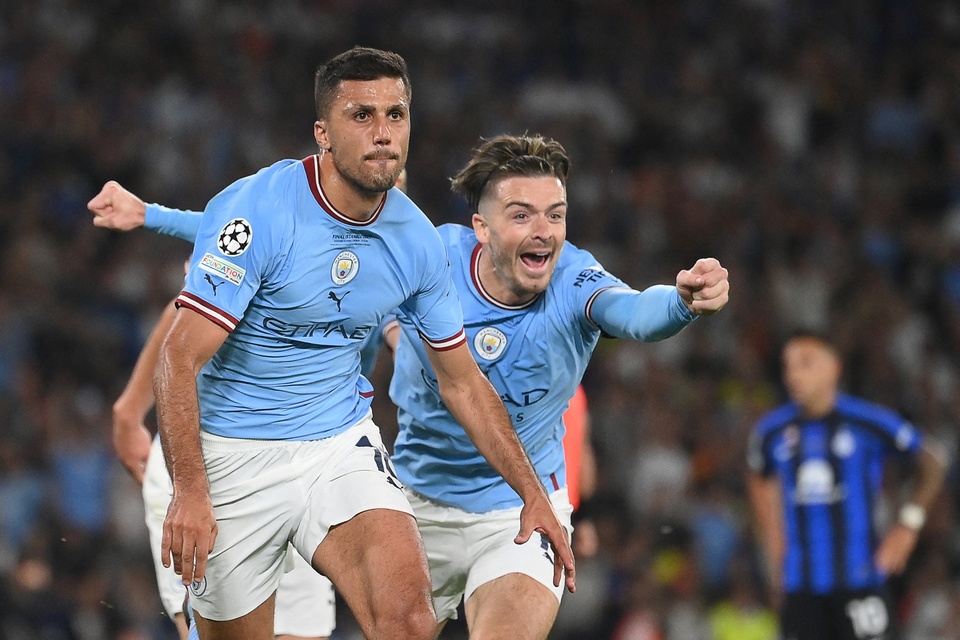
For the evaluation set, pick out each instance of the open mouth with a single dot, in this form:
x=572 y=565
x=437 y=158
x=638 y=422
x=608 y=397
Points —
x=536 y=259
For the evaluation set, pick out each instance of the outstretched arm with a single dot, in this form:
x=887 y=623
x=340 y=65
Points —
x=661 y=311
x=475 y=404
x=118 y=209
x=131 y=439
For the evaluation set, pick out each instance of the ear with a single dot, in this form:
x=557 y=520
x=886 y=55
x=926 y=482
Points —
x=480 y=228
x=320 y=134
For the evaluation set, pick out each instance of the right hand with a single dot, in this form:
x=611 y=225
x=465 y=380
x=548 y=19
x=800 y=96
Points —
x=116 y=208
x=189 y=533
x=132 y=440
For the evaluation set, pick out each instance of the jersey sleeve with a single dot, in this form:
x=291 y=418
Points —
x=653 y=314
x=758 y=457
x=604 y=301
x=435 y=307
x=900 y=436
x=233 y=250
x=179 y=223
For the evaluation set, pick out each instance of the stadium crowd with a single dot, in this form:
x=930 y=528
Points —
x=813 y=147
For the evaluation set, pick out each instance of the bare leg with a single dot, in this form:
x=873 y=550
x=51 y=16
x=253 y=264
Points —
x=256 y=625
x=512 y=607
x=376 y=561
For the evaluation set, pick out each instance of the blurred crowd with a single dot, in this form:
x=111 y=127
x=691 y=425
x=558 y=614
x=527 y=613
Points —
x=812 y=146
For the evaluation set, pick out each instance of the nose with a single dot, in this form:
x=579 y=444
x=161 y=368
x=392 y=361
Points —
x=542 y=229
x=381 y=132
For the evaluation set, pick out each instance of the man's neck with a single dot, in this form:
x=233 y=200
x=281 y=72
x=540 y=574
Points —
x=819 y=407
x=345 y=197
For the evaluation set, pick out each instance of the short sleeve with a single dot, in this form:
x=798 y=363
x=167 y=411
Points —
x=233 y=248
x=434 y=309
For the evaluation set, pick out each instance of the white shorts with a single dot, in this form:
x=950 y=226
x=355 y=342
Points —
x=305 y=599
x=269 y=493
x=466 y=550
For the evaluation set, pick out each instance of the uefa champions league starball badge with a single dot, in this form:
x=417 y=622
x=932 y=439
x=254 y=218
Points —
x=235 y=237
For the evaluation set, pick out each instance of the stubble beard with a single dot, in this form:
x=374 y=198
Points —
x=370 y=182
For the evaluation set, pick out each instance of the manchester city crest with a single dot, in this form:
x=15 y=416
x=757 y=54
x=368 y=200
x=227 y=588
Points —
x=489 y=343
x=345 y=267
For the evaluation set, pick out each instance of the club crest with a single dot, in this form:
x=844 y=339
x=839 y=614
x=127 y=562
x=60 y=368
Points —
x=345 y=267
x=489 y=343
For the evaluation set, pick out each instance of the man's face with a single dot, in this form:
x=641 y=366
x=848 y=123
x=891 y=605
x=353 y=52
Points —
x=522 y=224
x=811 y=371
x=367 y=132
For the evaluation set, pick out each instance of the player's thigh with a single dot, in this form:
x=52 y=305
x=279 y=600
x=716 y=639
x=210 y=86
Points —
x=511 y=607
x=864 y=615
x=306 y=605
x=255 y=625
x=359 y=530
x=377 y=563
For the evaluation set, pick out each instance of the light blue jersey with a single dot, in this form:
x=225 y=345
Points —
x=534 y=355
x=299 y=287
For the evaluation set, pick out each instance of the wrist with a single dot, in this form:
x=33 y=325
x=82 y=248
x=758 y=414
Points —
x=912 y=516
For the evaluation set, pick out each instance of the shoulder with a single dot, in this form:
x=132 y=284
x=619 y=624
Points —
x=455 y=235
x=862 y=410
x=775 y=419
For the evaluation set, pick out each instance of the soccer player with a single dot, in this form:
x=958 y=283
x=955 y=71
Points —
x=306 y=608
x=815 y=471
x=264 y=416
x=535 y=307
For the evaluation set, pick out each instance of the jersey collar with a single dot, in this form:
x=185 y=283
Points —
x=311 y=165
x=475 y=276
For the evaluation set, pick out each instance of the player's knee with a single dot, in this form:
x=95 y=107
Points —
x=409 y=623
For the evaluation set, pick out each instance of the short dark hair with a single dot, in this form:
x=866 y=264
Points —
x=358 y=63
x=813 y=335
x=505 y=155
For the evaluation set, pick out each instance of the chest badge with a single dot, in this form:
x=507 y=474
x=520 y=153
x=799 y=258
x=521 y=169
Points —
x=489 y=343
x=345 y=267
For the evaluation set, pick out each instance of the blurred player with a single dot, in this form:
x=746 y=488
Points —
x=816 y=467
x=288 y=448
x=533 y=316
x=305 y=599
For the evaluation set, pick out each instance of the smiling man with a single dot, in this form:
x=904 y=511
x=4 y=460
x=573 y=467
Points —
x=534 y=308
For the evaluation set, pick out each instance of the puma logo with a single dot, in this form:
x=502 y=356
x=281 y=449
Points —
x=213 y=284
x=334 y=297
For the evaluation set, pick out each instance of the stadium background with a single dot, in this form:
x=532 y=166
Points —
x=812 y=146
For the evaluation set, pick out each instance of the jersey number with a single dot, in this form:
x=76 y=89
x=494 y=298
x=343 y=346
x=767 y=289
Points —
x=869 y=616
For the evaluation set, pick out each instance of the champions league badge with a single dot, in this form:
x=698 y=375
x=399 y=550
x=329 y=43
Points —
x=235 y=237
x=489 y=343
x=345 y=267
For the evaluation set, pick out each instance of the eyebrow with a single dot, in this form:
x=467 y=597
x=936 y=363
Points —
x=527 y=205
x=350 y=106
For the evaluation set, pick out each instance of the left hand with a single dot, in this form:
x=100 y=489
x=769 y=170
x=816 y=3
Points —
x=704 y=287
x=895 y=549
x=538 y=515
